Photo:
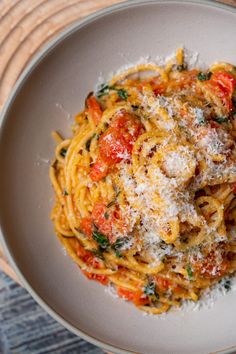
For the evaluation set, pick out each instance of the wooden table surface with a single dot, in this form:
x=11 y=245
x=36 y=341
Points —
x=25 y=26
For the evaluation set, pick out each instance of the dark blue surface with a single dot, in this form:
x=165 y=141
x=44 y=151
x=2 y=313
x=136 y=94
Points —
x=25 y=328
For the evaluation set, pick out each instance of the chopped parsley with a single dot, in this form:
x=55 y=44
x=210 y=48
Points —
x=122 y=93
x=227 y=284
x=106 y=215
x=222 y=119
x=103 y=91
x=189 y=272
x=201 y=120
x=204 y=76
x=100 y=238
x=98 y=253
x=104 y=243
x=118 y=244
x=63 y=152
x=150 y=290
x=65 y=192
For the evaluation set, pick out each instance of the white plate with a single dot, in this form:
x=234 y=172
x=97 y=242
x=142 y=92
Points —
x=56 y=83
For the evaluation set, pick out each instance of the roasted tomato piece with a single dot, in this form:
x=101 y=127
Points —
x=103 y=279
x=125 y=293
x=117 y=142
x=99 y=170
x=214 y=265
x=94 y=109
x=222 y=84
x=159 y=89
x=140 y=299
x=137 y=297
x=107 y=220
x=86 y=226
x=225 y=80
x=102 y=219
x=87 y=256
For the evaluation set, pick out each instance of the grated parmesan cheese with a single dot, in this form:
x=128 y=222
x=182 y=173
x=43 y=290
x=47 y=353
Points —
x=160 y=193
x=211 y=142
x=175 y=162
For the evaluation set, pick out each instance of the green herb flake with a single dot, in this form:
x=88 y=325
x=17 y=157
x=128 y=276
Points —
x=65 y=192
x=88 y=142
x=201 y=120
x=118 y=254
x=150 y=290
x=106 y=215
x=227 y=285
x=98 y=253
x=189 y=271
x=222 y=119
x=63 y=152
x=122 y=93
x=103 y=91
x=204 y=76
x=101 y=239
x=118 y=244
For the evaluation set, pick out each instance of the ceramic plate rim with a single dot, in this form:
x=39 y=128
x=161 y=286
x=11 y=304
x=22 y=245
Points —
x=37 y=58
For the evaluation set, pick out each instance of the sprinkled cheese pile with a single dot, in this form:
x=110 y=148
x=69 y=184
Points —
x=177 y=161
x=211 y=142
x=159 y=195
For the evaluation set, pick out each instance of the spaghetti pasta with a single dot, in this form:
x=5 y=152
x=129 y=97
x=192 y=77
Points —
x=146 y=186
